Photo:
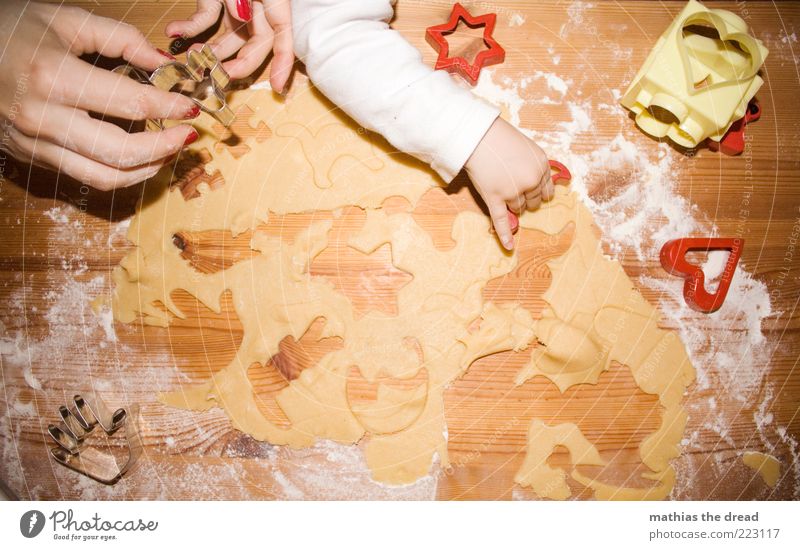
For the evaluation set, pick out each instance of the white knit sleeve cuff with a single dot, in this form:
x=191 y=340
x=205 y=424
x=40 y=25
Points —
x=465 y=137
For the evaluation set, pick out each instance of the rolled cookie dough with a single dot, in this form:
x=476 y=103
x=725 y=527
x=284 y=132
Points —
x=317 y=160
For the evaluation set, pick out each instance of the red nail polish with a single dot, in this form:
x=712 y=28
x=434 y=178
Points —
x=176 y=35
x=243 y=7
x=191 y=138
x=194 y=112
x=166 y=54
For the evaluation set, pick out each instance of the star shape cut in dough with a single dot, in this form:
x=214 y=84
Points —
x=370 y=281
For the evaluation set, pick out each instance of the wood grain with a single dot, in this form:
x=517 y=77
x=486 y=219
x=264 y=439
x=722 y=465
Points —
x=46 y=262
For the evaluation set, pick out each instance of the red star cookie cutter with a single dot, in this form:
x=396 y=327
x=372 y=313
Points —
x=732 y=143
x=470 y=71
x=560 y=173
x=673 y=260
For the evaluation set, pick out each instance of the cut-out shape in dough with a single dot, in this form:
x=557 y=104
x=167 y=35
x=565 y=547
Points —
x=235 y=136
x=548 y=482
x=329 y=144
x=378 y=282
x=394 y=410
x=276 y=296
x=767 y=466
x=595 y=317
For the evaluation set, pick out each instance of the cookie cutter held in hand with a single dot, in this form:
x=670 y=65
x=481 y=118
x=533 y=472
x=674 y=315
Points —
x=77 y=423
x=202 y=70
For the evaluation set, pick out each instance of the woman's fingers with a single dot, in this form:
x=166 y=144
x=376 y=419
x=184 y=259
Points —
x=227 y=45
x=501 y=223
x=269 y=25
x=111 y=38
x=206 y=15
x=94 y=89
x=109 y=144
x=257 y=48
x=240 y=9
x=88 y=171
x=279 y=17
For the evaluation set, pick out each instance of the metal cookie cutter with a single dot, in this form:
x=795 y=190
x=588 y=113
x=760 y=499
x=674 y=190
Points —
x=202 y=79
x=673 y=260
x=78 y=422
x=470 y=71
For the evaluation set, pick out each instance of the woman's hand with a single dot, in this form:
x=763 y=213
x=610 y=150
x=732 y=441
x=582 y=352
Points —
x=47 y=92
x=510 y=172
x=253 y=29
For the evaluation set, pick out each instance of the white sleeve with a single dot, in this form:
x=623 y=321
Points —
x=374 y=75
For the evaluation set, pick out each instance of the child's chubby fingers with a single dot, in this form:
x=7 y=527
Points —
x=206 y=15
x=533 y=198
x=517 y=204
x=533 y=202
x=501 y=222
x=548 y=190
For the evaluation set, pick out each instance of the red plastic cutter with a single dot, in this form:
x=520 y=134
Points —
x=470 y=71
x=673 y=260
x=560 y=173
x=732 y=143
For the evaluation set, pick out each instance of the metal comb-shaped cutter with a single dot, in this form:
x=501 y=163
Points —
x=202 y=74
x=80 y=421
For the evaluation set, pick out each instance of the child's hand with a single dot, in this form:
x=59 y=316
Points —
x=509 y=170
x=254 y=28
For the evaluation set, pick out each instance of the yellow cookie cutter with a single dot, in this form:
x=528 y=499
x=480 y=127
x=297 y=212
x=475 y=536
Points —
x=699 y=77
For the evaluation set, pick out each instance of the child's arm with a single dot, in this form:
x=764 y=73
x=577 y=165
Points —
x=378 y=78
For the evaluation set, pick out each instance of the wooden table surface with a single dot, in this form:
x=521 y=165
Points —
x=60 y=241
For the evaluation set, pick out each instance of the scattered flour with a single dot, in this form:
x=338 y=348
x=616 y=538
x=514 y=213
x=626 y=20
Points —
x=516 y=20
x=330 y=471
x=633 y=194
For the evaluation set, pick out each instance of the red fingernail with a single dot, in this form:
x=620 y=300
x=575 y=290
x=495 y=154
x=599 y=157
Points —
x=243 y=7
x=176 y=35
x=191 y=138
x=166 y=54
x=513 y=221
x=194 y=112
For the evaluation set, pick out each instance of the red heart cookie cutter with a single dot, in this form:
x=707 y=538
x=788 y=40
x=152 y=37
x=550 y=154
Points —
x=470 y=71
x=673 y=260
